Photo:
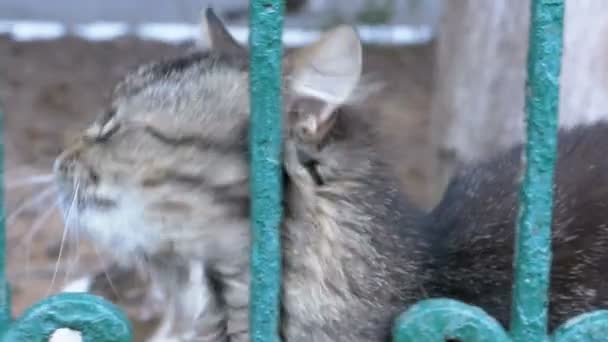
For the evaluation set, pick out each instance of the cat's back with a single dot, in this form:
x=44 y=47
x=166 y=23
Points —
x=472 y=229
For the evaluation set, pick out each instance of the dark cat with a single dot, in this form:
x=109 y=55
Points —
x=472 y=230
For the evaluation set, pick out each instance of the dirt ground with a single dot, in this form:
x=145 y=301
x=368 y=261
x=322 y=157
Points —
x=51 y=89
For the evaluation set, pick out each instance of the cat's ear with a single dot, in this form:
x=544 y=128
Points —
x=326 y=73
x=218 y=35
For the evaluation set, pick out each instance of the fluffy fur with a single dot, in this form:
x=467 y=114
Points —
x=472 y=230
x=161 y=181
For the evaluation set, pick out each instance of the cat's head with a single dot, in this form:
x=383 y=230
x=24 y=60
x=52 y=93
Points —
x=167 y=165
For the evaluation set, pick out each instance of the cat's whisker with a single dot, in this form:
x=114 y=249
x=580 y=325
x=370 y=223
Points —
x=37 y=225
x=28 y=238
x=31 y=202
x=20 y=170
x=72 y=262
x=58 y=262
x=68 y=222
x=142 y=265
x=104 y=268
x=27 y=181
x=75 y=259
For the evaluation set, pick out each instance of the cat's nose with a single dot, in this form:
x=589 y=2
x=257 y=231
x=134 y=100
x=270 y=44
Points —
x=64 y=163
x=58 y=166
x=70 y=168
x=69 y=164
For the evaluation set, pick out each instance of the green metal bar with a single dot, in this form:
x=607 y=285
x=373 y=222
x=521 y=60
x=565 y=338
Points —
x=5 y=297
x=533 y=245
x=266 y=171
x=441 y=319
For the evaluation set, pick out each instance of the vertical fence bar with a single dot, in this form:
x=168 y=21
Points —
x=266 y=172
x=533 y=245
x=5 y=301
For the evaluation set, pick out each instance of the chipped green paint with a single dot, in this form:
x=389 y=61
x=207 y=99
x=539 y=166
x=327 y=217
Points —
x=5 y=296
x=588 y=327
x=436 y=320
x=266 y=171
x=533 y=244
x=96 y=319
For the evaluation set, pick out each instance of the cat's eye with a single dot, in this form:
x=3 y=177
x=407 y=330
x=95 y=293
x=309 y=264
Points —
x=312 y=168
x=311 y=165
x=101 y=131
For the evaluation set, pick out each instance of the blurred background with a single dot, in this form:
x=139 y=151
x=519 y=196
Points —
x=450 y=79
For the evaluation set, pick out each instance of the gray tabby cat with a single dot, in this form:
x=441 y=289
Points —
x=161 y=181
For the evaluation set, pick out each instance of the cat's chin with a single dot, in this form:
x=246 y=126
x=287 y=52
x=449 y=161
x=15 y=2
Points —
x=126 y=249
x=121 y=251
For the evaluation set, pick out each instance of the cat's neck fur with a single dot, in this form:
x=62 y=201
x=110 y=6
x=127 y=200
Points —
x=348 y=245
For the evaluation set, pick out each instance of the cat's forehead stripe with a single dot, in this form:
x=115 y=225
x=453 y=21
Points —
x=237 y=144
x=157 y=71
x=200 y=100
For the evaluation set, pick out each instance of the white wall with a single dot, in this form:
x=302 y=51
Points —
x=136 y=11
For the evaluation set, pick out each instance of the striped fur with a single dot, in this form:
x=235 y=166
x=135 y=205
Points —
x=161 y=182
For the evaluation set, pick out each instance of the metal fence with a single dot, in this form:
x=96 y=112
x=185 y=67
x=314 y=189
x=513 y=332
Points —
x=445 y=319
x=429 y=320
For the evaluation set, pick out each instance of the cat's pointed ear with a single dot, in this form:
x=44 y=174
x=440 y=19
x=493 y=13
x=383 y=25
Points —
x=327 y=72
x=218 y=35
